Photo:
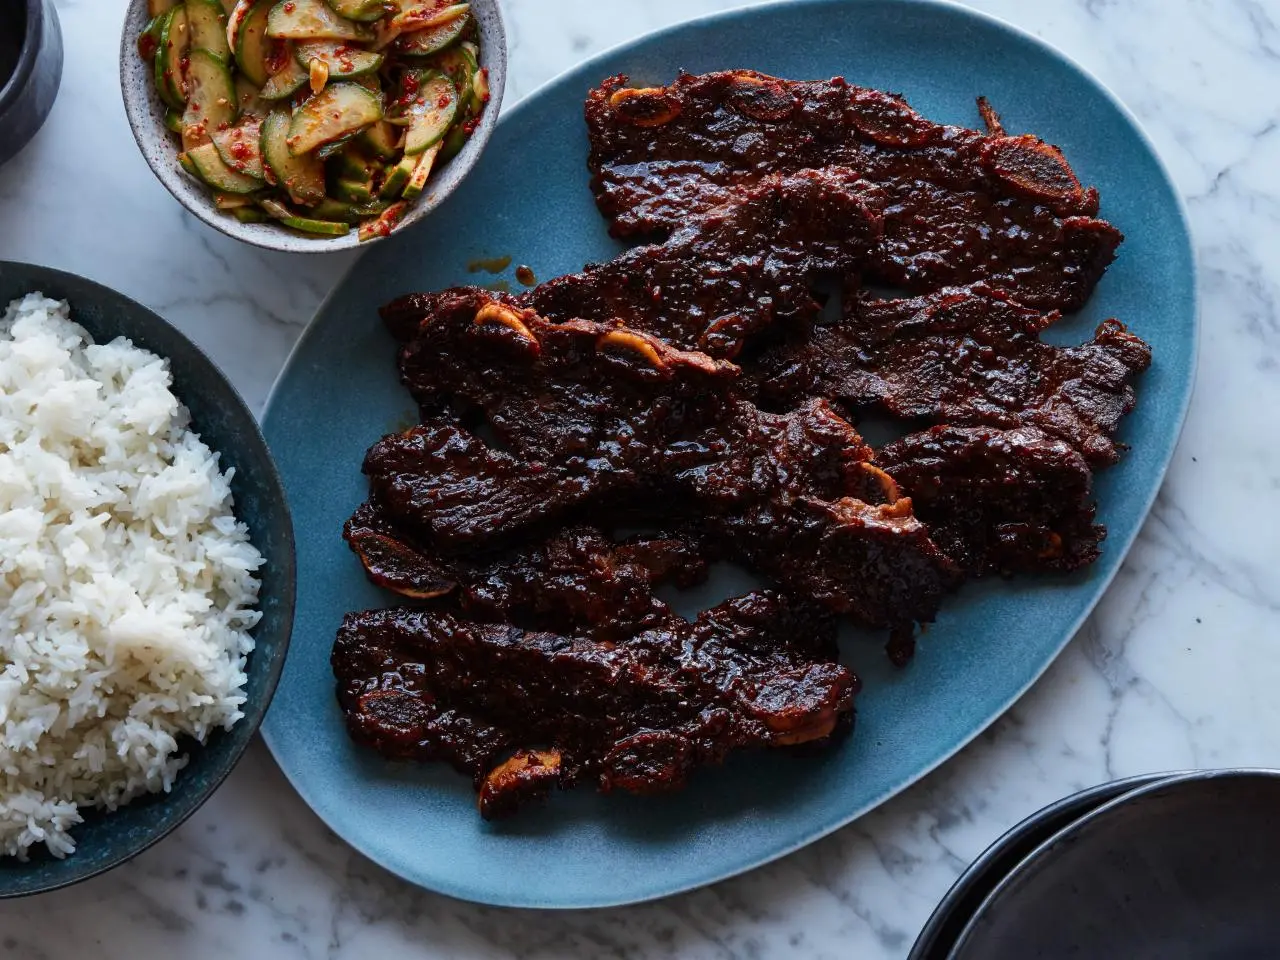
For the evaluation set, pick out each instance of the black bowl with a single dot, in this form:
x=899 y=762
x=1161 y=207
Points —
x=1182 y=869
x=955 y=911
x=106 y=840
x=30 y=70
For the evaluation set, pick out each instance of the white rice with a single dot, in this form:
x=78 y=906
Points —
x=126 y=582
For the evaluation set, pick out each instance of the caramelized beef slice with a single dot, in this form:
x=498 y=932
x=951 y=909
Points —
x=1004 y=501
x=964 y=356
x=637 y=716
x=790 y=493
x=960 y=205
x=450 y=489
x=733 y=272
x=578 y=577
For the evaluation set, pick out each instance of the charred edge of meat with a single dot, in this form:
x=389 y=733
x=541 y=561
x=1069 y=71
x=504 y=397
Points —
x=727 y=277
x=579 y=577
x=769 y=483
x=638 y=716
x=963 y=356
x=962 y=205
x=1002 y=501
x=1025 y=164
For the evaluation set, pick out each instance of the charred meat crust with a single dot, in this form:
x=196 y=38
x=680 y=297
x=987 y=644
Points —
x=599 y=413
x=960 y=205
x=638 y=716
x=964 y=356
x=1001 y=501
x=731 y=274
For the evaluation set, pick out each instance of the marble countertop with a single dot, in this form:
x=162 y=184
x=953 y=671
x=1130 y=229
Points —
x=1177 y=668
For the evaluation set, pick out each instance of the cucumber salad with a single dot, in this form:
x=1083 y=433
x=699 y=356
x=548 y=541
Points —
x=323 y=115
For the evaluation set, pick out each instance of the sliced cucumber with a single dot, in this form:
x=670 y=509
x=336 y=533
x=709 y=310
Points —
x=232 y=201
x=383 y=139
x=215 y=173
x=149 y=39
x=398 y=178
x=326 y=228
x=421 y=173
x=287 y=82
x=249 y=101
x=338 y=111
x=432 y=111
x=249 y=215
x=185 y=163
x=171 y=54
x=386 y=222
x=173 y=121
x=353 y=191
x=334 y=147
x=344 y=61
x=365 y=10
x=211 y=105
x=423 y=43
x=302 y=177
x=208 y=24
x=241 y=148
x=453 y=143
x=275 y=208
x=352 y=164
x=330 y=209
x=460 y=65
x=425 y=14
x=157 y=7
x=247 y=34
x=312 y=20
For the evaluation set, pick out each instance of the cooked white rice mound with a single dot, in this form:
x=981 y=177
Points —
x=126 y=583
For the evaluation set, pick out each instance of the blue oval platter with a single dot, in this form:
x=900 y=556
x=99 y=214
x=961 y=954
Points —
x=529 y=200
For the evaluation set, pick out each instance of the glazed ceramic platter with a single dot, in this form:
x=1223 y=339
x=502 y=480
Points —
x=529 y=200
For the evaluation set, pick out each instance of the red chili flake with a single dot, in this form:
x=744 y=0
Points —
x=147 y=46
x=290 y=7
x=241 y=151
x=443 y=100
x=184 y=62
x=410 y=83
x=469 y=127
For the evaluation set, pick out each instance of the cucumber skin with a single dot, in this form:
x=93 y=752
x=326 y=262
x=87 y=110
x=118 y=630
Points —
x=308 y=130
x=166 y=84
x=328 y=228
x=430 y=126
x=301 y=177
x=224 y=179
x=364 y=11
x=253 y=32
x=218 y=35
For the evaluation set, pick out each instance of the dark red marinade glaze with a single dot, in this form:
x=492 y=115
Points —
x=960 y=205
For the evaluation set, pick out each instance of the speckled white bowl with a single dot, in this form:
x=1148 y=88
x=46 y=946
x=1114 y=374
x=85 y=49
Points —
x=146 y=115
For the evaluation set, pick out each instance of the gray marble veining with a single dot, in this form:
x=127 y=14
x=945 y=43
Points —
x=1177 y=668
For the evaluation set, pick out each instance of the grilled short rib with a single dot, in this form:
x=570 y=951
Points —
x=730 y=274
x=960 y=205
x=638 y=715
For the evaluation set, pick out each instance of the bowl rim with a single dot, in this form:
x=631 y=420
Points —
x=247 y=726
x=1068 y=833
x=138 y=108
x=14 y=86
x=942 y=930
